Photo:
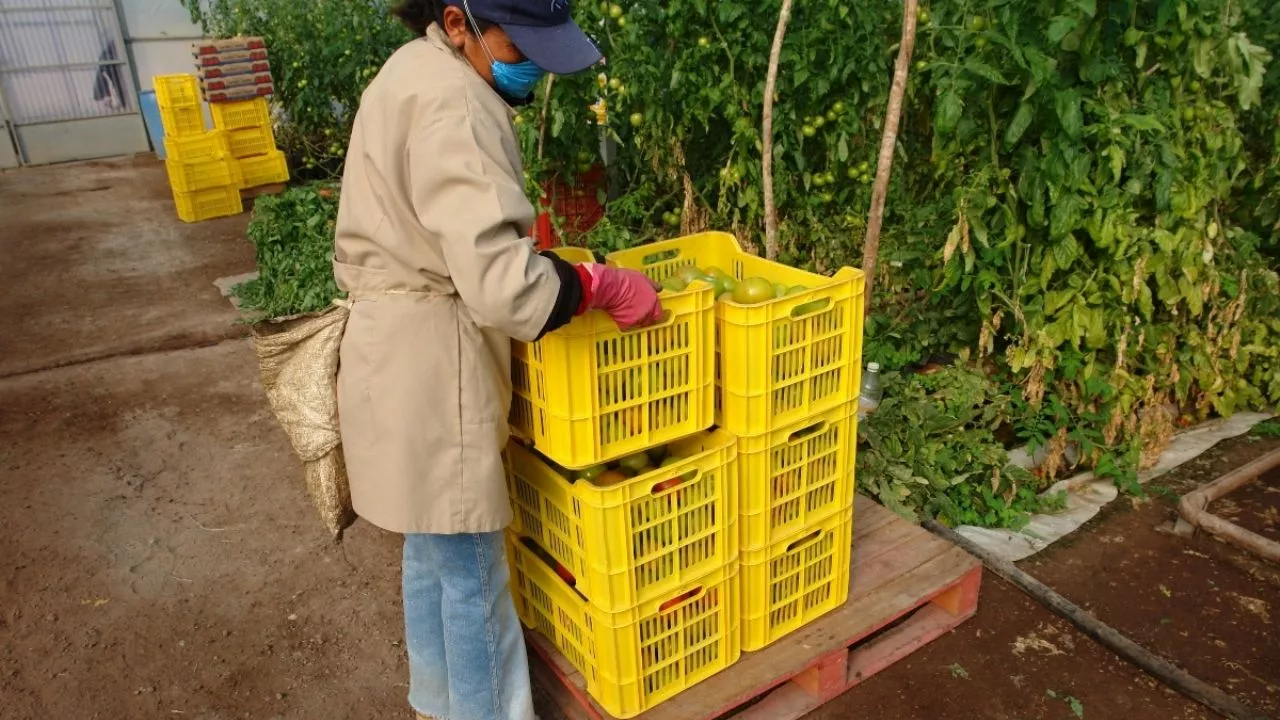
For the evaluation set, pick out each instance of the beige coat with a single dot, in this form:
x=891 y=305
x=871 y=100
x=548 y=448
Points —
x=430 y=244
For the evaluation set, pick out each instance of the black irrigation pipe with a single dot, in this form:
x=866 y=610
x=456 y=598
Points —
x=1159 y=668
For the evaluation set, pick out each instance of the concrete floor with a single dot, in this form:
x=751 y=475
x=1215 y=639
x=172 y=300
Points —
x=159 y=558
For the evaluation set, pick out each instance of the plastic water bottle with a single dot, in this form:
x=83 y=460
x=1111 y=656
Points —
x=871 y=392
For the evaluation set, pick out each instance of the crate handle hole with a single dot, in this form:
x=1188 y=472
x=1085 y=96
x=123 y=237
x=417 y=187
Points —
x=811 y=537
x=681 y=599
x=668 y=318
x=660 y=257
x=675 y=482
x=803 y=433
x=810 y=308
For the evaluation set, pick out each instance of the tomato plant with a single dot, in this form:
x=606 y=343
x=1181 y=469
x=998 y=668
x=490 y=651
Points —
x=1085 y=196
x=323 y=54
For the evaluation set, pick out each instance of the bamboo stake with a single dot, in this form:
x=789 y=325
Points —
x=770 y=86
x=884 y=166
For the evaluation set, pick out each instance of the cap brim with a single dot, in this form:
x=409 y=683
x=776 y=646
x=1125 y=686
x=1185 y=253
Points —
x=559 y=49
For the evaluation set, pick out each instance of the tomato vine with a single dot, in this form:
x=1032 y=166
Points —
x=1085 y=198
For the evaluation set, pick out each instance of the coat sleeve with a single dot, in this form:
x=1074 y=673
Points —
x=468 y=199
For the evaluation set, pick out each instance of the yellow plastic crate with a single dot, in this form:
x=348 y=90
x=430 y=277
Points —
x=241 y=114
x=209 y=145
x=177 y=91
x=636 y=659
x=795 y=581
x=250 y=142
x=640 y=540
x=207 y=204
x=182 y=121
x=779 y=361
x=589 y=393
x=189 y=177
x=263 y=169
x=796 y=476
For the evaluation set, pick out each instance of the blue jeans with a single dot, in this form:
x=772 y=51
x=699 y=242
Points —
x=466 y=650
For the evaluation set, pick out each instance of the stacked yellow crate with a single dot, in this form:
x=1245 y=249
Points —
x=787 y=378
x=202 y=174
x=247 y=124
x=629 y=566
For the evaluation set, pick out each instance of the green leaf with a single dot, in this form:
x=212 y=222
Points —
x=1142 y=122
x=1018 y=125
x=985 y=71
x=842 y=149
x=1067 y=105
x=1248 y=63
x=1060 y=27
x=1089 y=7
x=1066 y=251
x=1065 y=217
x=950 y=108
x=1055 y=299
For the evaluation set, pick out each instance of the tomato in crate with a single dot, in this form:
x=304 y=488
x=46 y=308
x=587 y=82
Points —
x=789 y=342
x=795 y=581
x=589 y=393
x=638 y=658
x=629 y=540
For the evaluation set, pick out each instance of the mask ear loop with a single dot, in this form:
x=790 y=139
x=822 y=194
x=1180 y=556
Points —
x=466 y=7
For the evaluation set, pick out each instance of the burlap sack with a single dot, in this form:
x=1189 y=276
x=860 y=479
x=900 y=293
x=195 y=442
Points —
x=298 y=357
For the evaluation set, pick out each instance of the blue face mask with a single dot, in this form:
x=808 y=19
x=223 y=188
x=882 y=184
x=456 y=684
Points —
x=515 y=80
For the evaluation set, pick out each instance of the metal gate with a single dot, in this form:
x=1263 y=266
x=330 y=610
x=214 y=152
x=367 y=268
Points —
x=65 y=81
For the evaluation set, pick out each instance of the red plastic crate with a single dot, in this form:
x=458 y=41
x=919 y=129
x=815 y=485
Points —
x=578 y=206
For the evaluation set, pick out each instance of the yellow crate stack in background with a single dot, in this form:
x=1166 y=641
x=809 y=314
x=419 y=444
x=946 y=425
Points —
x=787 y=374
x=247 y=124
x=235 y=79
x=628 y=565
x=202 y=174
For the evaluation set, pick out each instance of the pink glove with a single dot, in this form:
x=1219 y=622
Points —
x=629 y=297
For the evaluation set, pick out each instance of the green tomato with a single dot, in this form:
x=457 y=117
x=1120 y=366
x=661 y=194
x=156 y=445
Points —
x=818 y=122
x=980 y=43
x=977 y=23
x=921 y=66
x=622 y=22
x=704 y=42
x=831 y=116
x=615 y=11
x=808 y=131
x=637 y=119
x=838 y=107
x=864 y=166
x=615 y=83
x=853 y=173
x=922 y=16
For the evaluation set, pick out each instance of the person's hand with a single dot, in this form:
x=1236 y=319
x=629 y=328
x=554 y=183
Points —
x=629 y=297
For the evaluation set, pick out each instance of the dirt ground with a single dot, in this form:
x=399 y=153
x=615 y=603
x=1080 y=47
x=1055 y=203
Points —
x=159 y=559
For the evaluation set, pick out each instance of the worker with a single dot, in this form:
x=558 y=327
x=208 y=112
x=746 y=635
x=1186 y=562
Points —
x=432 y=245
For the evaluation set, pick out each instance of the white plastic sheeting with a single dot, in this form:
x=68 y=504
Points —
x=1086 y=496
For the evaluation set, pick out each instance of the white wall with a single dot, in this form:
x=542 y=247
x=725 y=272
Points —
x=159 y=34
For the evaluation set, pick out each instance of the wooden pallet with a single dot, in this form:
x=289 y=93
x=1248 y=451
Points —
x=909 y=587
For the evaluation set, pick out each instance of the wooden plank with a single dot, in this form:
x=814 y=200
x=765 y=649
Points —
x=923 y=627
x=896 y=568
x=864 y=614
x=868 y=518
x=564 y=692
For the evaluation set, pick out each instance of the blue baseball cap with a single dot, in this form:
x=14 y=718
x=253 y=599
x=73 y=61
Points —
x=541 y=29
